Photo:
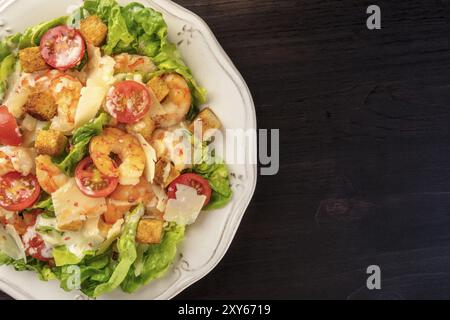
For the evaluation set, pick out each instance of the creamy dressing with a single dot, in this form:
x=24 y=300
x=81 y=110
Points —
x=87 y=239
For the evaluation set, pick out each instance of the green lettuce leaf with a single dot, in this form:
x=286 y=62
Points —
x=80 y=141
x=5 y=259
x=155 y=261
x=126 y=246
x=93 y=271
x=6 y=69
x=32 y=36
x=43 y=270
x=218 y=176
x=8 y=45
x=45 y=204
x=64 y=257
x=137 y=29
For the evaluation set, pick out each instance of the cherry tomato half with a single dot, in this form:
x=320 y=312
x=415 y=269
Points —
x=18 y=192
x=9 y=131
x=62 y=47
x=192 y=180
x=92 y=182
x=128 y=101
x=35 y=248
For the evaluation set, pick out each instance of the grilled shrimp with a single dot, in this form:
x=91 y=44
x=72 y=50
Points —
x=130 y=63
x=67 y=91
x=124 y=197
x=126 y=147
x=176 y=105
x=15 y=159
x=49 y=176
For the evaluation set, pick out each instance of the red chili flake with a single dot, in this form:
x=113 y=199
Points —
x=66 y=238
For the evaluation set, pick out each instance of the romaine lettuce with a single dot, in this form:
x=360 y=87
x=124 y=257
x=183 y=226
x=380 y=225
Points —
x=126 y=246
x=32 y=36
x=44 y=272
x=93 y=271
x=155 y=261
x=218 y=176
x=64 y=257
x=6 y=69
x=102 y=273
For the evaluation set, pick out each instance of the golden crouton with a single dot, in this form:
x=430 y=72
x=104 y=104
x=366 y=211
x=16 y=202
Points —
x=41 y=105
x=206 y=120
x=31 y=60
x=165 y=173
x=159 y=88
x=145 y=127
x=50 y=142
x=94 y=30
x=149 y=231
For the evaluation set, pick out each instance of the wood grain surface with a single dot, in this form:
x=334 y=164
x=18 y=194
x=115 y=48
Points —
x=365 y=150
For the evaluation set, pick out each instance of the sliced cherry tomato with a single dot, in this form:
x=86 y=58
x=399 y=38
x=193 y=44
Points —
x=92 y=182
x=18 y=192
x=9 y=131
x=192 y=180
x=128 y=101
x=35 y=248
x=62 y=47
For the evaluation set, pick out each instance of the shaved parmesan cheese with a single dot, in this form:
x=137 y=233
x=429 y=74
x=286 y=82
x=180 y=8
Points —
x=28 y=123
x=161 y=196
x=100 y=78
x=22 y=159
x=71 y=205
x=90 y=102
x=17 y=95
x=11 y=244
x=186 y=207
x=150 y=158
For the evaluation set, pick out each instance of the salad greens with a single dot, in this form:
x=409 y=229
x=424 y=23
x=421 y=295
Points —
x=8 y=61
x=44 y=272
x=63 y=256
x=126 y=246
x=137 y=29
x=6 y=69
x=93 y=271
x=216 y=172
x=155 y=259
x=218 y=177
x=32 y=36
x=80 y=141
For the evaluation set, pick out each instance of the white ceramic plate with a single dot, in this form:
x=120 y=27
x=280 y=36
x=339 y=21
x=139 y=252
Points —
x=207 y=241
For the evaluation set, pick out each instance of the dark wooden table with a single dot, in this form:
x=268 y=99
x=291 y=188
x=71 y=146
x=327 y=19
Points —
x=365 y=149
